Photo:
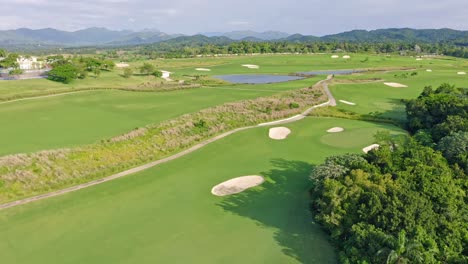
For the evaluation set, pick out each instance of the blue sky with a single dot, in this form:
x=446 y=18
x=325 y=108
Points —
x=316 y=17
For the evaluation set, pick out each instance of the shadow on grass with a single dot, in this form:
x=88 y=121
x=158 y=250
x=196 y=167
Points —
x=283 y=203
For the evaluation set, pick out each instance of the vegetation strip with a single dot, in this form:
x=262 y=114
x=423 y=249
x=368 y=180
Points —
x=322 y=84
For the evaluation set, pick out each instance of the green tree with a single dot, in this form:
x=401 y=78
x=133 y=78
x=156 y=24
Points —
x=147 y=68
x=127 y=72
x=65 y=73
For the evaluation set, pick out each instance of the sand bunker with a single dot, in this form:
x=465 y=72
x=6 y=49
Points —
x=418 y=59
x=371 y=147
x=251 y=66
x=346 y=57
x=202 y=69
x=279 y=133
x=122 y=65
x=346 y=102
x=237 y=185
x=428 y=70
x=335 y=130
x=397 y=85
x=461 y=73
x=166 y=75
x=335 y=56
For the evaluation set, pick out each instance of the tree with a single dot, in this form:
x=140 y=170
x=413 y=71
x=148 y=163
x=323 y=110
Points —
x=65 y=73
x=16 y=72
x=157 y=74
x=147 y=68
x=127 y=72
x=454 y=147
x=3 y=53
x=403 y=252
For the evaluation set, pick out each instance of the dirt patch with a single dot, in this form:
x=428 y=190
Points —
x=371 y=147
x=335 y=130
x=396 y=85
x=347 y=102
x=279 y=133
x=237 y=185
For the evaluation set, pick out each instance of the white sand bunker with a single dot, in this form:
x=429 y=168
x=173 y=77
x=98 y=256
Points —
x=346 y=57
x=122 y=65
x=461 y=73
x=371 y=147
x=397 y=85
x=237 y=185
x=279 y=133
x=166 y=75
x=335 y=56
x=251 y=66
x=202 y=69
x=346 y=102
x=429 y=70
x=419 y=59
x=335 y=130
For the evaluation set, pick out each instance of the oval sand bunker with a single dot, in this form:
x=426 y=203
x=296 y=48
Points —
x=279 y=133
x=237 y=185
x=371 y=147
x=335 y=130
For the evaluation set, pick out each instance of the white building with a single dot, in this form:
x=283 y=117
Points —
x=30 y=63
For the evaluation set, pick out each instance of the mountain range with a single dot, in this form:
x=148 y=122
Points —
x=102 y=36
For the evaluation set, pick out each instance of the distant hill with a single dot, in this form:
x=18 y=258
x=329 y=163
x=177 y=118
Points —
x=24 y=37
x=401 y=34
x=248 y=34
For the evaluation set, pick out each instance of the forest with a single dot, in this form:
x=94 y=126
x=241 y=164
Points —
x=404 y=202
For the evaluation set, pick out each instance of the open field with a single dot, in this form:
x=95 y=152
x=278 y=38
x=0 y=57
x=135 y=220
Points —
x=85 y=117
x=150 y=216
x=167 y=214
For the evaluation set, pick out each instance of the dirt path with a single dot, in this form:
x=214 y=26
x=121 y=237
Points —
x=331 y=102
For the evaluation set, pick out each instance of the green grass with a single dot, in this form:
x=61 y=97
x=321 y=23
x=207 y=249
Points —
x=377 y=97
x=86 y=117
x=167 y=214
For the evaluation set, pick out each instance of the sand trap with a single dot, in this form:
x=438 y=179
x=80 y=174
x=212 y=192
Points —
x=202 y=69
x=122 y=65
x=429 y=70
x=166 y=75
x=335 y=130
x=371 y=147
x=461 y=73
x=397 y=85
x=346 y=102
x=251 y=66
x=279 y=133
x=346 y=57
x=237 y=185
x=335 y=56
x=419 y=59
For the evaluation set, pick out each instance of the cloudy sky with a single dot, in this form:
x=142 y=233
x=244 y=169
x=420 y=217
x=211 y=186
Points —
x=316 y=17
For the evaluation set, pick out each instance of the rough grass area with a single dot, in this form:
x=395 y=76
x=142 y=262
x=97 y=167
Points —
x=29 y=174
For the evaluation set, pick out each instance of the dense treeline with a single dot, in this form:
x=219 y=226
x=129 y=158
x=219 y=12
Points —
x=66 y=70
x=406 y=201
x=179 y=50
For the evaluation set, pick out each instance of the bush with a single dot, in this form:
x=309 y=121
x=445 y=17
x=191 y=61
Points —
x=157 y=74
x=293 y=105
x=127 y=73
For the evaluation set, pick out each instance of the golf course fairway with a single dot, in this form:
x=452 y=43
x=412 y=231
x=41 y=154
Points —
x=167 y=214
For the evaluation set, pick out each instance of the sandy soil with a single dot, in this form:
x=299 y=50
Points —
x=347 y=102
x=397 y=85
x=237 y=185
x=346 y=57
x=335 y=57
x=461 y=73
x=202 y=69
x=251 y=66
x=122 y=65
x=335 y=130
x=279 y=133
x=371 y=147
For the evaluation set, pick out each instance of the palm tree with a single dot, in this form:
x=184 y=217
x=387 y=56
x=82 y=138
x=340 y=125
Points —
x=402 y=252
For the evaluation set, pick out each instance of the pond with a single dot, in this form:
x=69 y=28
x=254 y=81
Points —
x=257 y=79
